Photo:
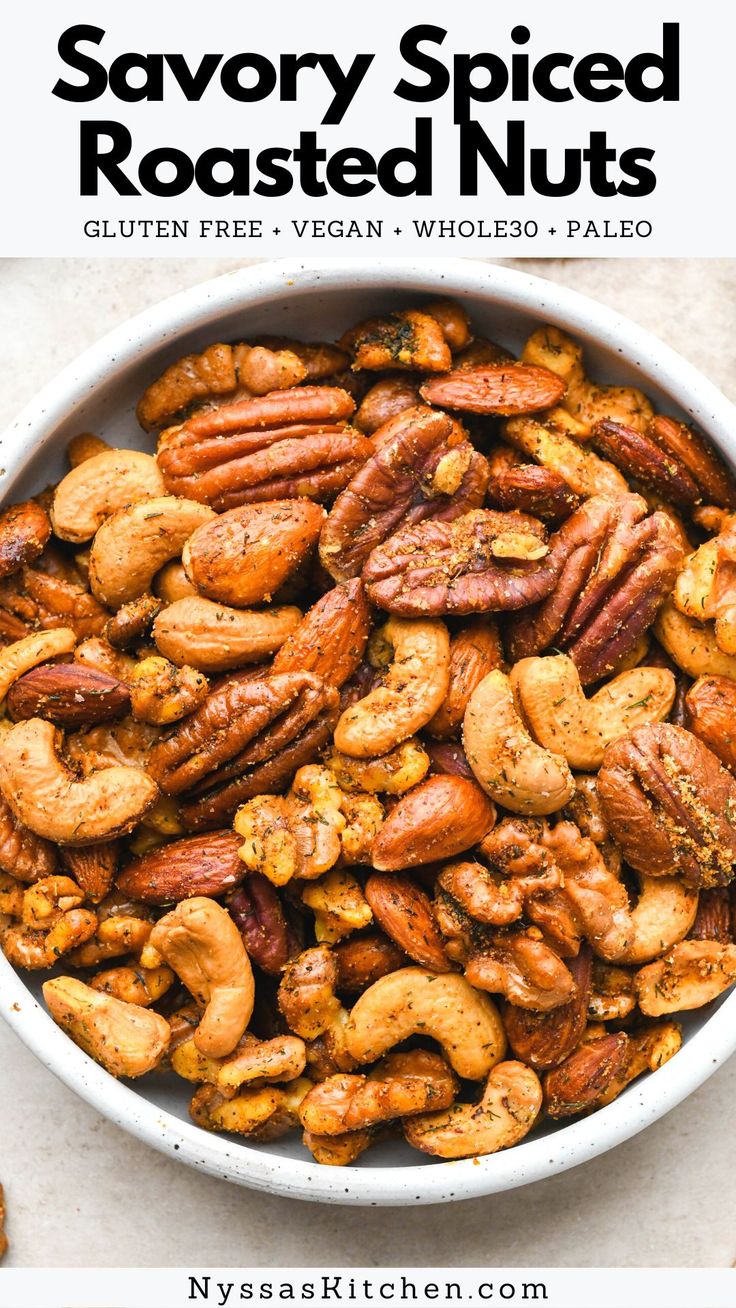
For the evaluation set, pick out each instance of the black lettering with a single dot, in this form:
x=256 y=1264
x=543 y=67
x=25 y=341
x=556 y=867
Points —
x=437 y=75
x=542 y=78
x=593 y=68
x=94 y=71
x=475 y=144
x=94 y=162
x=668 y=63
x=644 y=179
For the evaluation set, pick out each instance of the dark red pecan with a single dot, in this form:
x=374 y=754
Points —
x=31 y=599
x=68 y=694
x=133 y=621
x=278 y=446
x=619 y=565
x=22 y=853
x=713 y=920
x=24 y=531
x=670 y=805
x=484 y=561
x=256 y=911
x=544 y=1039
x=424 y=471
x=197 y=865
x=501 y=388
x=448 y=757
x=641 y=458
x=532 y=489
x=714 y=480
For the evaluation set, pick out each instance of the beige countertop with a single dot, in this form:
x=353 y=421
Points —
x=80 y=1192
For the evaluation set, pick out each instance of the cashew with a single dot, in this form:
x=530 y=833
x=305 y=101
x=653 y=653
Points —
x=200 y=941
x=413 y=688
x=132 y=544
x=99 y=486
x=402 y=1085
x=664 y=913
x=692 y=645
x=413 y=1001
x=585 y=473
x=511 y=1103
x=27 y=653
x=515 y=771
x=694 y=585
x=563 y=720
x=126 y=1039
x=690 y=975
x=48 y=799
x=215 y=638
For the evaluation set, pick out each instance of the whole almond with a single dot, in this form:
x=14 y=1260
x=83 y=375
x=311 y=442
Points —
x=241 y=557
x=198 y=865
x=69 y=695
x=503 y=388
x=439 y=818
x=92 y=867
x=578 y=1083
x=404 y=911
x=331 y=638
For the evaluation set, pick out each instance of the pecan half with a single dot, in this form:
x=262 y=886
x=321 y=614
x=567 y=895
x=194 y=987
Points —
x=33 y=599
x=713 y=920
x=545 y=1039
x=619 y=565
x=257 y=912
x=24 y=531
x=69 y=695
x=198 y=865
x=22 y=853
x=502 y=388
x=423 y=471
x=404 y=911
x=286 y=444
x=670 y=805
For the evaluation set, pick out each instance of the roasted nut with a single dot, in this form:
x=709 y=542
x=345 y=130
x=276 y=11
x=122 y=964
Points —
x=412 y=1001
x=320 y=359
x=713 y=479
x=489 y=897
x=194 y=378
x=241 y=557
x=413 y=688
x=132 y=544
x=307 y=992
x=162 y=693
x=200 y=941
x=517 y=964
x=364 y=959
x=404 y=911
x=549 y=347
x=24 y=531
x=403 y=1085
x=710 y=707
x=126 y=1039
x=511 y=1103
x=134 y=985
x=422 y=471
x=692 y=974
x=564 y=721
x=554 y=440
x=258 y=1113
x=47 y=798
x=475 y=650
x=389 y=397
x=18 y=658
x=542 y=492
x=544 y=1039
x=484 y=561
x=257 y=913
x=509 y=765
x=447 y=758
x=198 y=865
x=501 y=388
x=618 y=566
x=99 y=654
x=407 y=339
x=612 y=995
x=216 y=638
x=92 y=866
x=99 y=487
x=670 y=805
x=713 y=918
x=133 y=622
x=84 y=446
x=171 y=583
x=339 y=906
x=389 y=774
x=331 y=638
x=692 y=644
x=68 y=695
x=641 y=458
x=438 y=819
x=296 y=835
x=290 y=443
x=578 y=1084
x=22 y=853
x=3 y=1236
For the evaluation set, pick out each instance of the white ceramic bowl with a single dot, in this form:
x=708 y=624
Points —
x=312 y=301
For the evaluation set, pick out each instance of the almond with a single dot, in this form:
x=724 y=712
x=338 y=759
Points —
x=331 y=638
x=93 y=867
x=241 y=557
x=198 y=865
x=404 y=911
x=577 y=1084
x=503 y=388
x=24 y=530
x=69 y=695
x=439 y=818
x=544 y=1039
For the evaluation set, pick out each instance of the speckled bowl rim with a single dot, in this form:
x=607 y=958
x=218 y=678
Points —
x=643 y=1102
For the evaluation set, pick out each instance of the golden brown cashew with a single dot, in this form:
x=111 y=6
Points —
x=48 y=798
x=548 y=347
x=134 y=543
x=511 y=1103
x=692 y=645
x=27 y=653
x=126 y=1039
x=215 y=638
x=200 y=941
x=690 y=975
x=510 y=766
x=100 y=486
x=414 y=686
x=563 y=720
x=413 y=1001
x=664 y=913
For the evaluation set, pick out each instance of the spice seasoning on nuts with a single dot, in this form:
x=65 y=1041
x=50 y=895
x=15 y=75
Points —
x=372 y=766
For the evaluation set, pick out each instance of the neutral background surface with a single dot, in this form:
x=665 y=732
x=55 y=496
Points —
x=80 y=1192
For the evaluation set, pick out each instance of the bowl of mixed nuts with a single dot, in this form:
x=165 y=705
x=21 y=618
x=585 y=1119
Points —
x=367 y=763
